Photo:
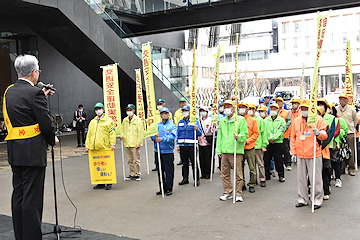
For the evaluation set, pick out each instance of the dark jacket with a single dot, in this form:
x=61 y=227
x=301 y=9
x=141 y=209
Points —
x=77 y=118
x=27 y=105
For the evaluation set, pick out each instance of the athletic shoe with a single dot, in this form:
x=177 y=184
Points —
x=251 y=189
x=352 y=173
x=108 y=187
x=137 y=178
x=129 y=178
x=338 y=183
x=288 y=168
x=263 y=184
x=326 y=197
x=226 y=197
x=281 y=179
x=273 y=174
x=239 y=198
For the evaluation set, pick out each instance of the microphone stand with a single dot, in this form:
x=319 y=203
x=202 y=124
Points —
x=57 y=229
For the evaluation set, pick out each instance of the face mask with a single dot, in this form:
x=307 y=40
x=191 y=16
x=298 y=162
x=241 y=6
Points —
x=159 y=107
x=221 y=109
x=251 y=112
x=99 y=112
x=185 y=114
x=227 y=111
x=262 y=114
x=304 y=113
x=273 y=113
x=203 y=114
x=322 y=108
x=129 y=113
x=242 y=111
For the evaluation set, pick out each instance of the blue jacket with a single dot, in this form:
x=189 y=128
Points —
x=185 y=133
x=167 y=133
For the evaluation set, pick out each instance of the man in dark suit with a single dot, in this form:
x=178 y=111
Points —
x=30 y=130
x=80 y=118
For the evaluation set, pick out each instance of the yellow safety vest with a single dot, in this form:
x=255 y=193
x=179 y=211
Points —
x=23 y=132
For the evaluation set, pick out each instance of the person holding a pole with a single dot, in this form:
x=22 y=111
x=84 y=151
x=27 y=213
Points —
x=302 y=146
x=186 y=143
x=165 y=138
x=260 y=144
x=133 y=134
x=249 y=149
x=101 y=135
x=275 y=128
x=228 y=133
x=205 y=141
x=178 y=116
x=348 y=113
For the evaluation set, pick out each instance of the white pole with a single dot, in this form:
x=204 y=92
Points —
x=234 y=186
x=313 y=182
x=160 y=171
x=123 y=158
x=212 y=157
x=195 y=161
x=355 y=156
x=147 y=157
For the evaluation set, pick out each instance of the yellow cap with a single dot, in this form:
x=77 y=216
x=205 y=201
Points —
x=262 y=108
x=343 y=95
x=251 y=105
x=228 y=102
x=319 y=110
x=275 y=105
x=305 y=103
x=279 y=98
x=323 y=100
x=243 y=104
x=295 y=100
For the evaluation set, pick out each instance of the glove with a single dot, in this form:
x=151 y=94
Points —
x=316 y=132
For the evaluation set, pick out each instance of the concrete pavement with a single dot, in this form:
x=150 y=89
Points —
x=133 y=210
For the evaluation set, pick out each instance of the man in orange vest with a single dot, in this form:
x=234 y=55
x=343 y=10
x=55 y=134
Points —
x=302 y=146
x=285 y=114
x=294 y=113
x=249 y=153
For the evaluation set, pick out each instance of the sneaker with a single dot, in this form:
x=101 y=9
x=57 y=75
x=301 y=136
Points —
x=273 y=174
x=243 y=188
x=108 y=187
x=179 y=163
x=129 y=178
x=239 y=198
x=352 y=173
x=281 y=179
x=251 y=189
x=326 y=197
x=263 y=184
x=338 y=183
x=137 y=178
x=288 y=168
x=226 y=197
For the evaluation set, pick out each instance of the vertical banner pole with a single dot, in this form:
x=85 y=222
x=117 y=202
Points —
x=147 y=157
x=313 y=181
x=212 y=157
x=195 y=159
x=160 y=171
x=123 y=158
x=234 y=186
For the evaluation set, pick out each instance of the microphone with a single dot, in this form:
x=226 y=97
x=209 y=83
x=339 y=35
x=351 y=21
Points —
x=43 y=85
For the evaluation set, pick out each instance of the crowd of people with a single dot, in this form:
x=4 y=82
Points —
x=268 y=138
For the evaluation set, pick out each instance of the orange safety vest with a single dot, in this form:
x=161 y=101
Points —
x=23 y=132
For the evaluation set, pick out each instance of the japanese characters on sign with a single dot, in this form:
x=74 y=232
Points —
x=112 y=96
x=348 y=76
x=193 y=91
x=236 y=79
x=150 y=94
x=102 y=167
x=139 y=99
x=321 y=27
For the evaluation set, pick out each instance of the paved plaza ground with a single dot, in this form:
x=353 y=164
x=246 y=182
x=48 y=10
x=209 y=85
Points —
x=133 y=210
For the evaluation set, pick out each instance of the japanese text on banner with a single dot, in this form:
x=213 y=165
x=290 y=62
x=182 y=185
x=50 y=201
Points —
x=322 y=22
x=236 y=79
x=215 y=107
x=112 y=96
x=139 y=99
x=348 y=76
x=150 y=94
x=193 y=91
x=102 y=167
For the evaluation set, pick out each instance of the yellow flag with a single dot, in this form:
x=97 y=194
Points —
x=236 y=80
x=102 y=166
x=193 y=91
x=112 y=96
x=321 y=27
x=150 y=94
x=139 y=99
x=214 y=118
x=302 y=83
x=348 y=76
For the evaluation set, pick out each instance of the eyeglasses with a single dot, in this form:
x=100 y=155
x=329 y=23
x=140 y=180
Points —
x=39 y=71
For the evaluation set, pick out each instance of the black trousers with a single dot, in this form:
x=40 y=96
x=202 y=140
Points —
x=167 y=169
x=80 y=130
x=286 y=152
x=27 y=201
x=326 y=175
x=335 y=162
x=187 y=153
x=274 y=150
x=205 y=160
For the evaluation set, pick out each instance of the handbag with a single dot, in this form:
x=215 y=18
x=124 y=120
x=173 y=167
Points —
x=345 y=151
x=209 y=139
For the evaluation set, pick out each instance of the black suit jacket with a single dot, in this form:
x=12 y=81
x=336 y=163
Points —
x=77 y=116
x=27 y=105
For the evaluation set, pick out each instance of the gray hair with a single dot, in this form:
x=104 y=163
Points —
x=25 y=65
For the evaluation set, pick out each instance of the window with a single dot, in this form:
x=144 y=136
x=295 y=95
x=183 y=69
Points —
x=297 y=41
x=228 y=57
x=285 y=27
x=310 y=25
x=242 y=56
x=297 y=26
x=285 y=43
